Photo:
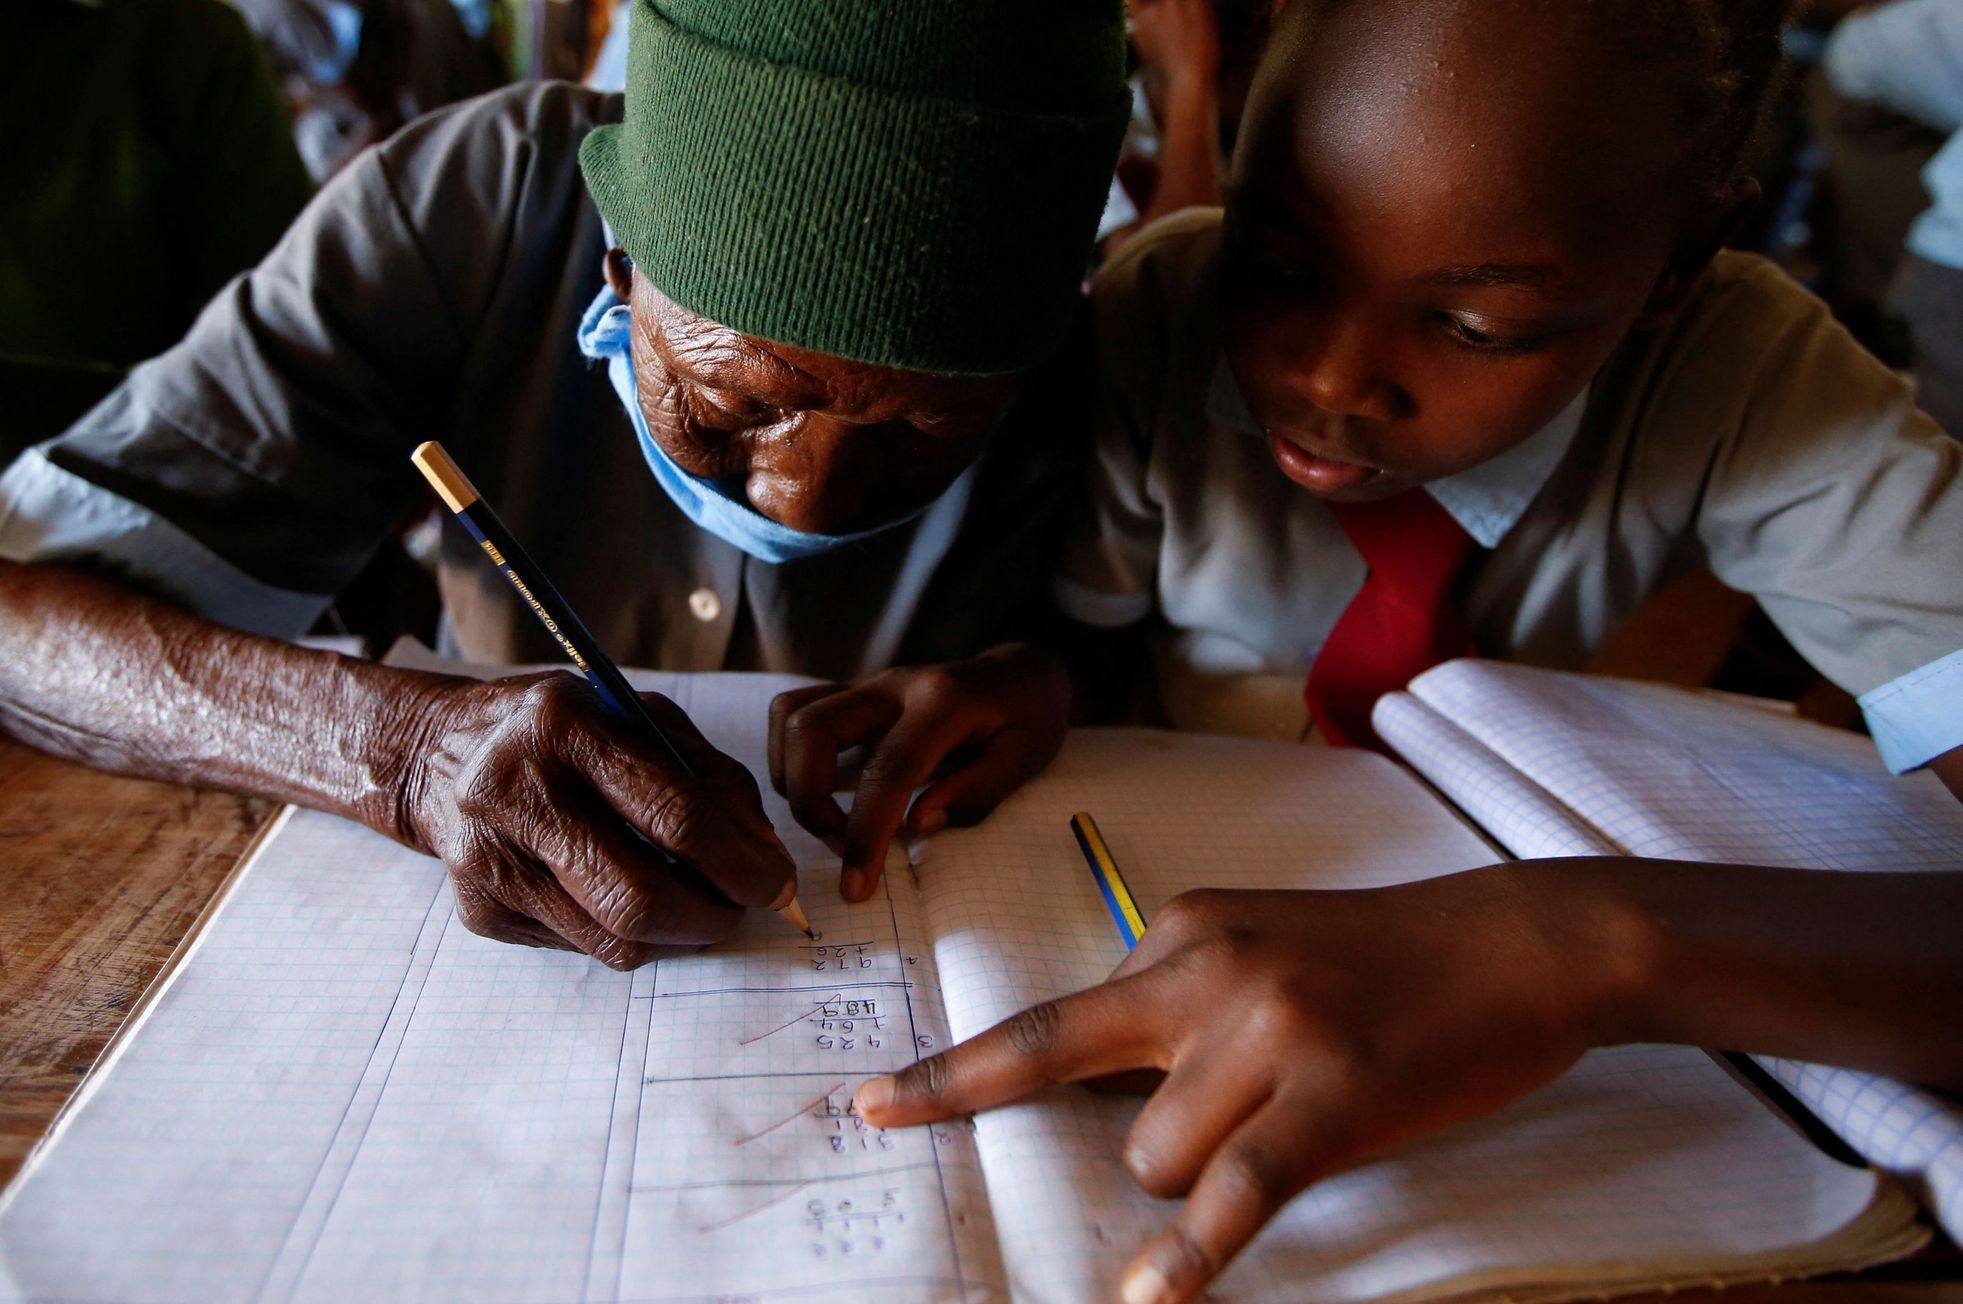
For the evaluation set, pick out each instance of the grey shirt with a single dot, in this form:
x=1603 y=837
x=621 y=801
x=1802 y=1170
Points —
x=432 y=292
x=1749 y=435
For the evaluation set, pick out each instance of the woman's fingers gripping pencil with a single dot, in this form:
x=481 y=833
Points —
x=554 y=612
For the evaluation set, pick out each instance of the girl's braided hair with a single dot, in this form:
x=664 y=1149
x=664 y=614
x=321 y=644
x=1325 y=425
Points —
x=1730 y=52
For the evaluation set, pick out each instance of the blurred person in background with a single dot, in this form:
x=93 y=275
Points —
x=1195 y=61
x=1905 y=58
x=356 y=70
x=149 y=160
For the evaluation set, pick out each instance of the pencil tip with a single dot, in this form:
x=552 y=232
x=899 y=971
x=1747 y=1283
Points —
x=794 y=915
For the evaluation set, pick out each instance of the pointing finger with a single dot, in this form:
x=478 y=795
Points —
x=1102 y=1030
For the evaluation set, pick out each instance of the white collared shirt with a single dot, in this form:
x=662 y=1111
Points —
x=1485 y=500
x=1236 y=585
x=1749 y=435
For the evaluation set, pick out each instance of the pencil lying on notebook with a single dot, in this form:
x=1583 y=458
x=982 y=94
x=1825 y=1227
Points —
x=552 y=609
x=1104 y=868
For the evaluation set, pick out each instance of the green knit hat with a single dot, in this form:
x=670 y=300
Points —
x=913 y=183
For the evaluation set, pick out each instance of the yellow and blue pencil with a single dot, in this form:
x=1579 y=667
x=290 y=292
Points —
x=1110 y=882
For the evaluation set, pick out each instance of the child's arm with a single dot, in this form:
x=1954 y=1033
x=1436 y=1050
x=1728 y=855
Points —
x=1949 y=768
x=1304 y=1032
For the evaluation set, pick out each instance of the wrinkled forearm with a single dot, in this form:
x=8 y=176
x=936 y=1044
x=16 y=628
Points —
x=97 y=673
x=1857 y=969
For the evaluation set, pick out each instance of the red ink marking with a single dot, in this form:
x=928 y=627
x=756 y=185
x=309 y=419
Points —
x=794 y=1022
x=747 y=1213
x=803 y=1109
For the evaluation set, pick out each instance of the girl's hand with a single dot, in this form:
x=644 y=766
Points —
x=1299 y=1034
x=985 y=726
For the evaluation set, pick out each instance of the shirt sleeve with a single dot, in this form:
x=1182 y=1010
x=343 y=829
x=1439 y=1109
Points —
x=275 y=437
x=1906 y=56
x=1109 y=568
x=48 y=515
x=1837 y=504
x=1919 y=716
x=238 y=181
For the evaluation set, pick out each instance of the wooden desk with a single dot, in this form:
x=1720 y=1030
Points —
x=101 y=877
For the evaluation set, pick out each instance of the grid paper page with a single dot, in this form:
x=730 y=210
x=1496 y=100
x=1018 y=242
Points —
x=1640 y=1154
x=1661 y=771
x=1648 y=770
x=345 y=1094
x=1513 y=809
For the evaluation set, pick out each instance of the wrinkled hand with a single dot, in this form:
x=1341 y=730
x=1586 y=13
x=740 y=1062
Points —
x=1299 y=1033
x=543 y=805
x=1180 y=38
x=995 y=720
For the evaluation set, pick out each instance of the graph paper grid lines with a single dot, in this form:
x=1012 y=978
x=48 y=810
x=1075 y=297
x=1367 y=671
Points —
x=347 y=1054
x=1650 y=770
x=1642 y=1155
x=344 y=1093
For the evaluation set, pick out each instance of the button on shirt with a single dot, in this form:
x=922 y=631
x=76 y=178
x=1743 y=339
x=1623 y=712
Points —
x=433 y=291
x=705 y=604
x=1749 y=436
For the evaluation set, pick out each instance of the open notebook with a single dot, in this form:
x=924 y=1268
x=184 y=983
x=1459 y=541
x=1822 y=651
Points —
x=1560 y=764
x=340 y=1093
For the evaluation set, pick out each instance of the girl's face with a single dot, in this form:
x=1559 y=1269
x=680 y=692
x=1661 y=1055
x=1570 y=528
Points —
x=1442 y=218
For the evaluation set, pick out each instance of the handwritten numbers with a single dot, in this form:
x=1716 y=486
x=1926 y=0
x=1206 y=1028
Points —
x=851 y=1134
x=849 y=1024
x=841 y=1228
x=848 y=956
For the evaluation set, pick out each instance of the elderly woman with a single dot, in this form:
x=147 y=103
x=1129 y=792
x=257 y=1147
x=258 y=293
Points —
x=749 y=393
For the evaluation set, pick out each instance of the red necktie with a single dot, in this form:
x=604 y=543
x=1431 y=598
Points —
x=1401 y=623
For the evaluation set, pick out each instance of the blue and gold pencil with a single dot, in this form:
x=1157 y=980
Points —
x=1111 y=883
x=552 y=610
